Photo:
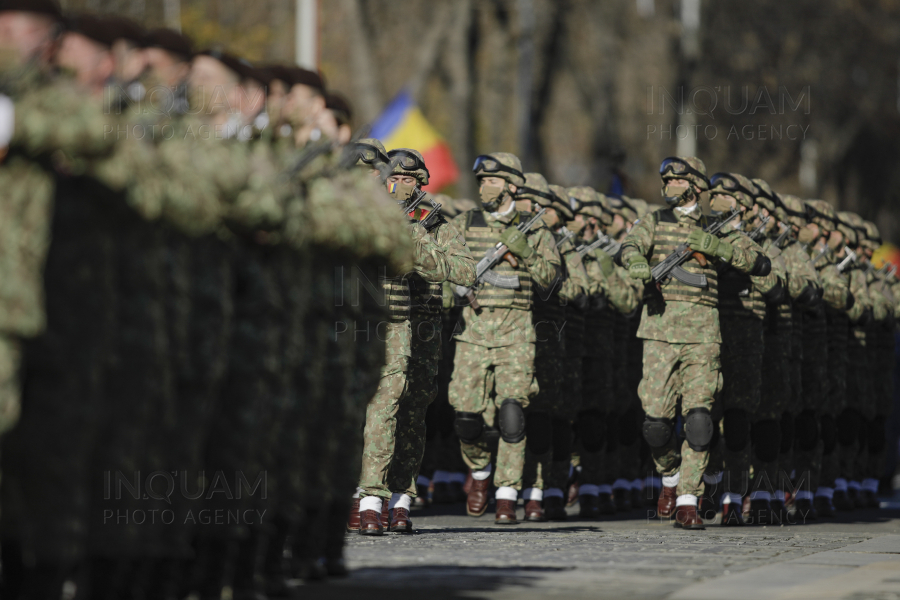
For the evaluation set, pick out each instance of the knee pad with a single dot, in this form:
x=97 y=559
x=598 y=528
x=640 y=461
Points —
x=512 y=421
x=828 y=431
x=736 y=428
x=766 y=438
x=468 y=426
x=806 y=430
x=657 y=431
x=629 y=424
x=787 y=432
x=698 y=429
x=877 y=437
x=562 y=440
x=539 y=433
x=589 y=429
x=848 y=427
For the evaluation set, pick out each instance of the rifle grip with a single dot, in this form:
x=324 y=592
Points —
x=699 y=258
x=472 y=301
x=508 y=257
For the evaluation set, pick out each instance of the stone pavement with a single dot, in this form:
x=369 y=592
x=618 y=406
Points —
x=454 y=556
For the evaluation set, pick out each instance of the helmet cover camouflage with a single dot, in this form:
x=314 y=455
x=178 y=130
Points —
x=735 y=185
x=588 y=201
x=561 y=203
x=690 y=168
x=822 y=214
x=500 y=164
x=406 y=161
x=535 y=189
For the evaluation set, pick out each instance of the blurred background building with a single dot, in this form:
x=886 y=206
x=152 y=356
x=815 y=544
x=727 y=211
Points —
x=805 y=94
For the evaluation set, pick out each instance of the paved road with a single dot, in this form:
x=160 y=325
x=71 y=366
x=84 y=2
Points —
x=453 y=556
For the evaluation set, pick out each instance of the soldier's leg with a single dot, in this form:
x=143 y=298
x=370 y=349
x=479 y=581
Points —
x=515 y=386
x=11 y=500
x=539 y=448
x=468 y=394
x=659 y=390
x=593 y=435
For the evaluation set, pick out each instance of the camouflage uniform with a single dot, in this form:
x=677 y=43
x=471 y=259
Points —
x=495 y=345
x=680 y=329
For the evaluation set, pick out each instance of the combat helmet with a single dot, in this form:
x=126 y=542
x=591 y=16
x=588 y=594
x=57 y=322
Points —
x=588 y=201
x=690 y=168
x=873 y=236
x=561 y=203
x=765 y=197
x=500 y=164
x=822 y=214
x=846 y=224
x=735 y=185
x=406 y=161
x=370 y=152
x=535 y=189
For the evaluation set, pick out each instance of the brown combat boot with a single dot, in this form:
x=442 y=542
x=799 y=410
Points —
x=588 y=507
x=477 y=500
x=732 y=514
x=400 y=521
x=804 y=510
x=760 y=513
x=385 y=515
x=686 y=517
x=370 y=523
x=824 y=507
x=622 y=499
x=353 y=519
x=605 y=504
x=554 y=509
x=665 y=506
x=506 y=512
x=534 y=512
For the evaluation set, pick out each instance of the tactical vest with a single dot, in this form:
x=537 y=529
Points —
x=398 y=298
x=425 y=298
x=668 y=236
x=738 y=297
x=480 y=238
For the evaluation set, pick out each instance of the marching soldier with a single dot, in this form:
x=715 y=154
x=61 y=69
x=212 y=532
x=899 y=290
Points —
x=496 y=341
x=680 y=329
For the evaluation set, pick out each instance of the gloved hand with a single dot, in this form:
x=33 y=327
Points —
x=515 y=240
x=639 y=268
x=605 y=261
x=418 y=231
x=710 y=245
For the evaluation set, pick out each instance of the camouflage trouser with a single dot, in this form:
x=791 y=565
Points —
x=692 y=372
x=741 y=358
x=775 y=399
x=380 y=436
x=509 y=372
x=851 y=421
x=814 y=377
x=421 y=391
x=10 y=404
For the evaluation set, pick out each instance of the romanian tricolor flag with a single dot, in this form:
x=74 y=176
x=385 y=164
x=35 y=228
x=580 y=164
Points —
x=402 y=125
x=886 y=253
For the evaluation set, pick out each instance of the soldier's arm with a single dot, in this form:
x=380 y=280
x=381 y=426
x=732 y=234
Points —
x=545 y=260
x=623 y=292
x=577 y=284
x=862 y=306
x=639 y=240
x=837 y=290
x=444 y=256
x=748 y=257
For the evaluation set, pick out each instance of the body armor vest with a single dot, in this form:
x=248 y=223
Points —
x=425 y=298
x=480 y=238
x=397 y=293
x=668 y=236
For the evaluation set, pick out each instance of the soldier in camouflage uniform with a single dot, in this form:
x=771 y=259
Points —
x=548 y=318
x=680 y=329
x=495 y=343
x=395 y=419
x=743 y=299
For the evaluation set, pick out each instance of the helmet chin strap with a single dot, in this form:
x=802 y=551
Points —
x=685 y=197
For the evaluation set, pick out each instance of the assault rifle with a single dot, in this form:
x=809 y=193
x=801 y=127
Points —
x=604 y=242
x=433 y=217
x=779 y=241
x=819 y=255
x=848 y=261
x=757 y=233
x=567 y=235
x=492 y=257
x=670 y=266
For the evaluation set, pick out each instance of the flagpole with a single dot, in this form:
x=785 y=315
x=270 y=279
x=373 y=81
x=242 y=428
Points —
x=307 y=27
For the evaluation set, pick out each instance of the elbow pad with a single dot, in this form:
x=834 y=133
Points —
x=774 y=295
x=598 y=302
x=811 y=296
x=762 y=266
x=851 y=300
x=581 y=302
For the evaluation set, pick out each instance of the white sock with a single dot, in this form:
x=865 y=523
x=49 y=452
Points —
x=441 y=477
x=400 y=501
x=589 y=489
x=671 y=481
x=731 y=498
x=652 y=481
x=458 y=477
x=482 y=474
x=356 y=495
x=717 y=478
x=804 y=495
x=779 y=495
x=533 y=494
x=637 y=484
x=621 y=484
x=423 y=481
x=506 y=493
x=854 y=485
x=760 y=495
x=554 y=493
x=825 y=492
x=870 y=484
x=370 y=503
x=840 y=484
x=604 y=489
x=686 y=500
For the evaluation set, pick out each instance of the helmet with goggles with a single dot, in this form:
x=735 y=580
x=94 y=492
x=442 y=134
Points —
x=732 y=184
x=504 y=165
x=588 y=201
x=561 y=203
x=535 y=189
x=371 y=153
x=690 y=168
x=406 y=161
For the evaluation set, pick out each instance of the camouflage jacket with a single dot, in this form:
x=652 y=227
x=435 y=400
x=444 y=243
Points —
x=678 y=322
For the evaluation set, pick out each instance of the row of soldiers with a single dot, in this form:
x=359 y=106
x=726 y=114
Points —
x=187 y=346
x=766 y=352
